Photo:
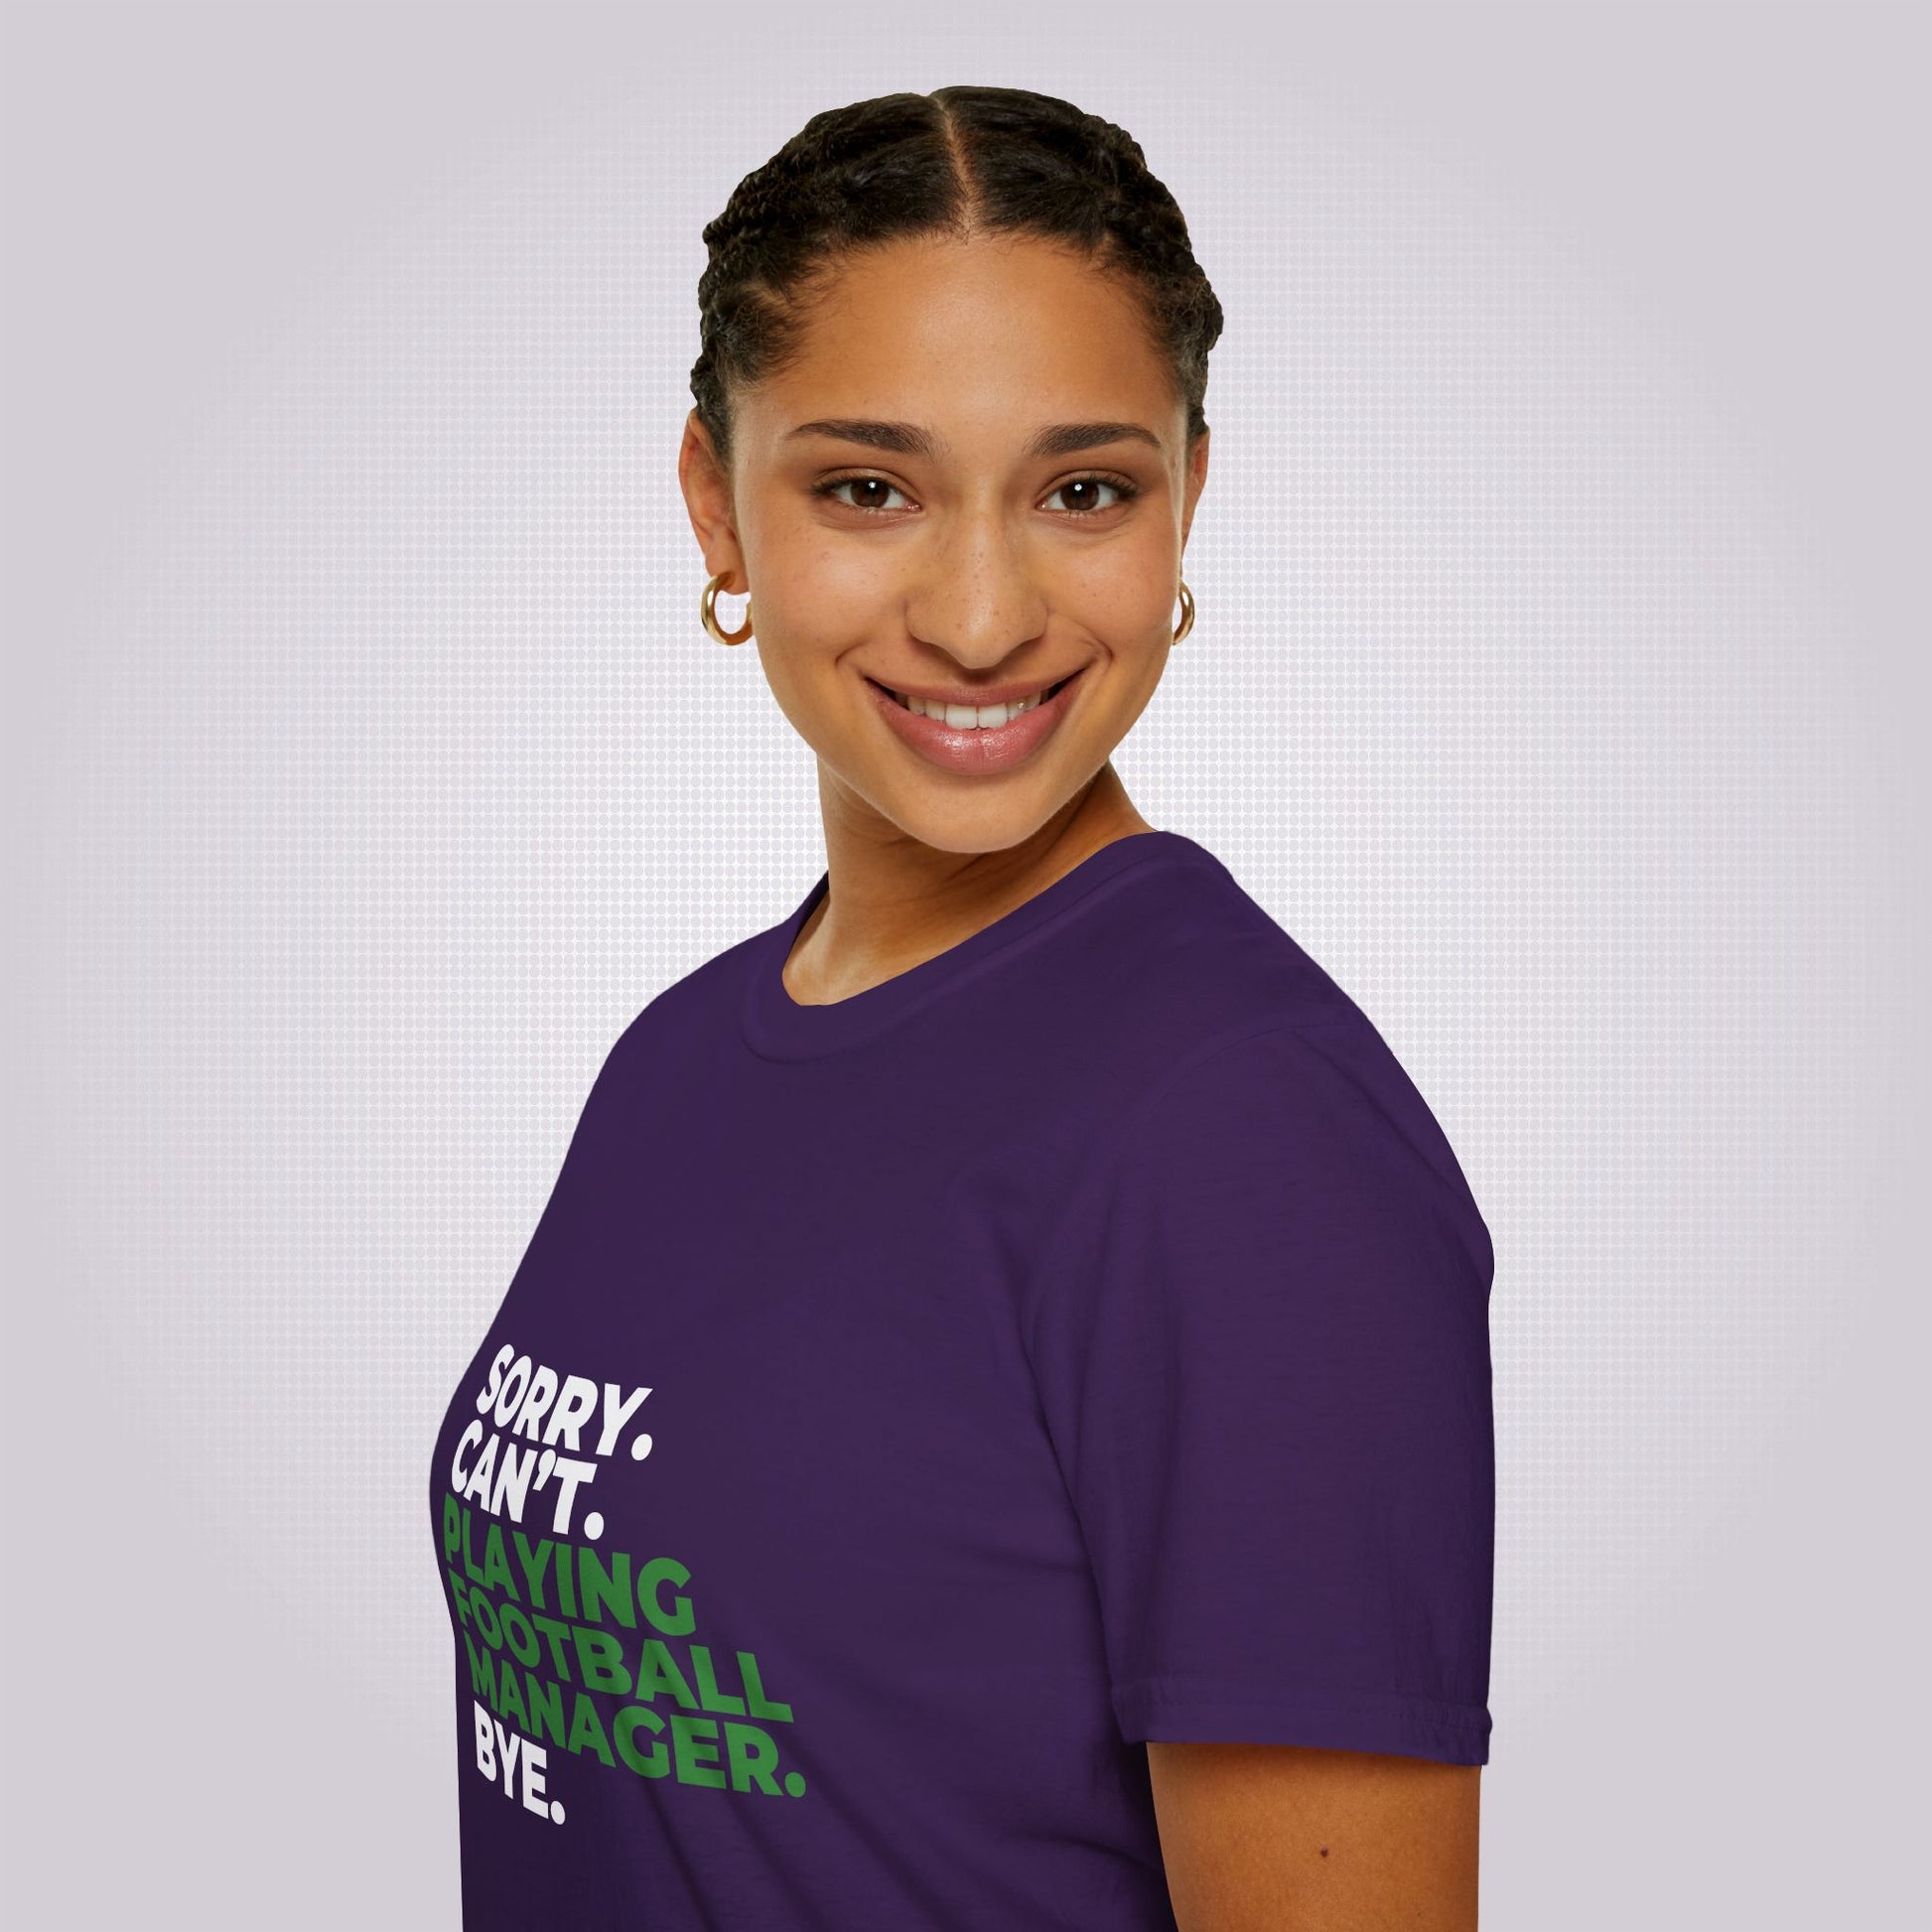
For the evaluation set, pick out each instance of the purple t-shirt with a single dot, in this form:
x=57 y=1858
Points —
x=907 y=1406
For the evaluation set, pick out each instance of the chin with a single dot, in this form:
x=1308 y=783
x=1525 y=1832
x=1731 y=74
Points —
x=967 y=818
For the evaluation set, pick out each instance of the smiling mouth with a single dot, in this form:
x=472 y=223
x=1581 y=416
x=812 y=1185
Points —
x=966 y=717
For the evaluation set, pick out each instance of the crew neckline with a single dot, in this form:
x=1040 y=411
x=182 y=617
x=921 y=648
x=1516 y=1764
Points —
x=777 y=1027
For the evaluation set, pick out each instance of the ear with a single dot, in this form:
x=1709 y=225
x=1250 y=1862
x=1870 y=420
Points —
x=706 y=482
x=1196 y=478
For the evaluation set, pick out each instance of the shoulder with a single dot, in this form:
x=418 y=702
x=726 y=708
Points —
x=687 y=1016
x=1192 y=993
x=1194 y=955
x=1313 y=1106
x=1314 y=1121
x=1239 y=1072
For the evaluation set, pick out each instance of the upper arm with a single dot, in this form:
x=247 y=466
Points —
x=1264 y=1367
x=1283 y=1837
x=1265 y=1370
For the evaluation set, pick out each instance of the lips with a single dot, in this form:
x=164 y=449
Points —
x=974 y=713
x=977 y=750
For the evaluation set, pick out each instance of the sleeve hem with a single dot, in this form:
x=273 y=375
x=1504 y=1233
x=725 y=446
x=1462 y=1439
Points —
x=1181 y=1711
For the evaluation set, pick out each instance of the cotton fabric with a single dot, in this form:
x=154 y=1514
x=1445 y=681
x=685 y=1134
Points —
x=907 y=1407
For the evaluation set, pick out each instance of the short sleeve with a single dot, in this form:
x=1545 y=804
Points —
x=1262 y=1350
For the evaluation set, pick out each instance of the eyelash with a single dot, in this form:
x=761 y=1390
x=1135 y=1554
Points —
x=1125 y=491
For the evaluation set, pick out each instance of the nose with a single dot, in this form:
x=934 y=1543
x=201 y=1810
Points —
x=976 y=595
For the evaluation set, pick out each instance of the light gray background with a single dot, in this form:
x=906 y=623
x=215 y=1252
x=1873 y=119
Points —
x=1559 y=683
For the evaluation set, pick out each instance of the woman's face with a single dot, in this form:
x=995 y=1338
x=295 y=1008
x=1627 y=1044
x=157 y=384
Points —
x=970 y=484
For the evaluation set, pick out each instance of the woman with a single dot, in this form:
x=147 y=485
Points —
x=993 y=1428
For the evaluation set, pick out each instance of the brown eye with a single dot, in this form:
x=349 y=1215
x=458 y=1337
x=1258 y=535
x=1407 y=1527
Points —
x=1087 y=495
x=868 y=492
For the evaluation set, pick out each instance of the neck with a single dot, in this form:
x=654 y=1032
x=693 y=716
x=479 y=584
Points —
x=893 y=903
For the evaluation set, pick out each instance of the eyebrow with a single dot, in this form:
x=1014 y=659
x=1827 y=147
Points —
x=909 y=439
x=1065 y=438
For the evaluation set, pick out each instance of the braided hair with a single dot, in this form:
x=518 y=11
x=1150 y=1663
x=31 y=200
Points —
x=963 y=160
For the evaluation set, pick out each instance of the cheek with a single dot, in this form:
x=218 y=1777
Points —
x=1123 y=593
x=813 y=589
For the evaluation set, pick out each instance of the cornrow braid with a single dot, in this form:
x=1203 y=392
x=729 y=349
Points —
x=963 y=159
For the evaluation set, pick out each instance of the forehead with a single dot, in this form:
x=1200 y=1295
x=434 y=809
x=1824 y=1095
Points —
x=970 y=336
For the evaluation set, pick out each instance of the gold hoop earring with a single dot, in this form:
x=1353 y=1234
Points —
x=707 y=614
x=1187 y=611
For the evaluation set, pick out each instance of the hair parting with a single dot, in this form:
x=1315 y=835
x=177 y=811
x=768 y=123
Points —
x=961 y=160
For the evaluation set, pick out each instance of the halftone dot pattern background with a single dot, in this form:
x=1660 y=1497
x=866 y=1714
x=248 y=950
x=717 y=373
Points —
x=1557 y=683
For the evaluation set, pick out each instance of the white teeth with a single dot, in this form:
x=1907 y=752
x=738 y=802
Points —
x=965 y=717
